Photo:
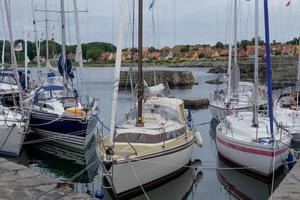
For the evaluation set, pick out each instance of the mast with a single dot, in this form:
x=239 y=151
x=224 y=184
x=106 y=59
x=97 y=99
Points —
x=235 y=33
x=235 y=69
x=63 y=39
x=229 y=72
x=132 y=50
x=37 y=46
x=3 y=44
x=139 y=121
x=26 y=58
x=3 y=54
x=269 y=68
x=79 y=48
x=255 y=95
x=298 y=75
x=117 y=72
x=47 y=34
x=12 y=51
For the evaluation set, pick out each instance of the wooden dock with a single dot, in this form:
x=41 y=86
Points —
x=289 y=188
x=20 y=182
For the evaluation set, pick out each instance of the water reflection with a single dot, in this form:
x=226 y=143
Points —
x=244 y=186
x=60 y=162
x=179 y=188
x=213 y=128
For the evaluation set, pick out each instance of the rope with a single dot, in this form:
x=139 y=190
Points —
x=207 y=167
x=46 y=123
x=102 y=123
x=138 y=180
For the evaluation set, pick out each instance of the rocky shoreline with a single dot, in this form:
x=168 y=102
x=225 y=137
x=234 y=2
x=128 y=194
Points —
x=284 y=71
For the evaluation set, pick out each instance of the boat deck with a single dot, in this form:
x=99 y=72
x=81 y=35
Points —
x=125 y=151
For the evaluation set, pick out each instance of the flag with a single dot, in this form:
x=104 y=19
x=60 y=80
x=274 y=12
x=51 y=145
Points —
x=152 y=4
x=19 y=47
x=288 y=3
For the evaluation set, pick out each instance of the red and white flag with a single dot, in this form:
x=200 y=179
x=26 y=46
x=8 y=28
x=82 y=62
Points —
x=288 y=3
x=19 y=47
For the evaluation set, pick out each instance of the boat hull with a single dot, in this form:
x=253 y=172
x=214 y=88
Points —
x=71 y=132
x=258 y=158
x=11 y=140
x=127 y=176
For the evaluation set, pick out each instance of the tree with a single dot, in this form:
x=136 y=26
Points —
x=185 y=49
x=219 y=45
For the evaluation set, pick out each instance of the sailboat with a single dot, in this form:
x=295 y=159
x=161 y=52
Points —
x=237 y=96
x=153 y=144
x=57 y=113
x=248 y=138
x=287 y=110
x=13 y=124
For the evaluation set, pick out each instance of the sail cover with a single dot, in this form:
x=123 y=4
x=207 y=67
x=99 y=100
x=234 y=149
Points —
x=235 y=79
x=67 y=69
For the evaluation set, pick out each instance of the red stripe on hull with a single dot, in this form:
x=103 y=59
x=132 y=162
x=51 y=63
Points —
x=251 y=150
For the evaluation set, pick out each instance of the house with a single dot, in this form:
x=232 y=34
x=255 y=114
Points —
x=155 y=56
x=288 y=50
x=215 y=54
x=250 y=51
x=165 y=51
x=224 y=53
x=192 y=55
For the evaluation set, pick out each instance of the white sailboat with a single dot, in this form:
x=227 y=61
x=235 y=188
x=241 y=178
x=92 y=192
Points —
x=12 y=123
x=287 y=110
x=237 y=96
x=155 y=142
x=248 y=139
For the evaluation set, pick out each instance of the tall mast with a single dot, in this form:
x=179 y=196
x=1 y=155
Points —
x=37 y=46
x=47 y=34
x=255 y=96
x=79 y=48
x=26 y=53
x=3 y=44
x=3 y=54
x=139 y=121
x=298 y=74
x=269 y=68
x=229 y=73
x=12 y=51
x=63 y=39
x=235 y=33
x=117 y=72
x=132 y=50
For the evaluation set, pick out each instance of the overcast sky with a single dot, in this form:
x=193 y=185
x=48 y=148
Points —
x=175 y=21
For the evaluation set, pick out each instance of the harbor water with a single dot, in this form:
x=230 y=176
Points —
x=209 y=178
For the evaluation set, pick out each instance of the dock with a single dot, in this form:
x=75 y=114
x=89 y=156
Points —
x=289 y=188
x=20 y=182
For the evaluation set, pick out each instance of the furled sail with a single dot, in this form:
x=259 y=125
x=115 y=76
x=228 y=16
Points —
x=235 y=79
x=67 y=68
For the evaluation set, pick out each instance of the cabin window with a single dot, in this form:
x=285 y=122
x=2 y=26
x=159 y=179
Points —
x=147 y=138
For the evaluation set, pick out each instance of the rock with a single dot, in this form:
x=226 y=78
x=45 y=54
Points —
x=196 y=103
x=172 y=78
x=217 y=70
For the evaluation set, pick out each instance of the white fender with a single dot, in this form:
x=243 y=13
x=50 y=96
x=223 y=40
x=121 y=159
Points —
x=198 y=139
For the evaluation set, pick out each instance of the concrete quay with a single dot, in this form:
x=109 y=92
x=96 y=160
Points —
x=20 y=182
x=289 y=188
